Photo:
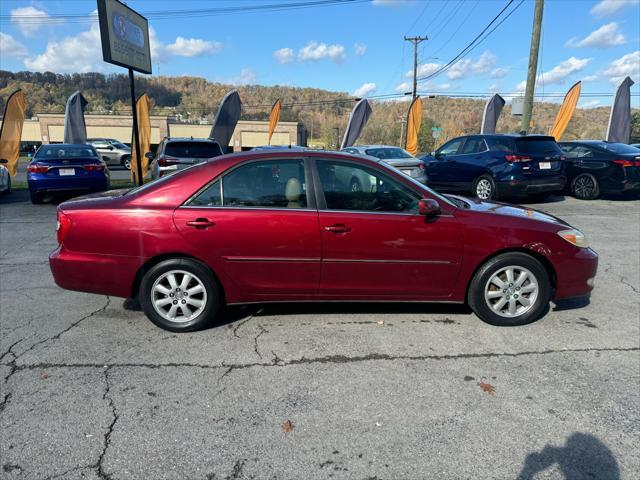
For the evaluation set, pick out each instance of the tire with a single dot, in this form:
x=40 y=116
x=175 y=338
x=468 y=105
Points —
x=585 y=187
x=355 y=185
x=37 y=198
x=203 y=303
x=485 y=188
x=493 y=306
x=126 y=162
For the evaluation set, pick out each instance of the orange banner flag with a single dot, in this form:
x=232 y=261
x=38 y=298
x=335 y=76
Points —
x=144 y=136
x=11 y=131
x=274 y=116
x=414 y=120
x=566 y=111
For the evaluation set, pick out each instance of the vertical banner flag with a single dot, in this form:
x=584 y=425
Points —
x=274 y=116
x=357 y=120
x=11 y=131
x=619 y=129
x=414 y=120
x=225 y=121
x=566 y=111
x=75 y=130
x=492 y=111
x=144 y=137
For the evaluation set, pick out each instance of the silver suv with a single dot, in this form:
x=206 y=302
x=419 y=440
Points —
x=176 y=153
x=112 y=151
x=394 y=156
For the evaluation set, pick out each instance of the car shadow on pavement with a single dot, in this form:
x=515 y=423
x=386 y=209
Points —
x=571 y=303
x=582 y=456
x=16 y=196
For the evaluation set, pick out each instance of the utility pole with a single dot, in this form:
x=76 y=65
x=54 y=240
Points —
x=337 y=129
x=403 y=122
x=416 y=41
x=533 y=67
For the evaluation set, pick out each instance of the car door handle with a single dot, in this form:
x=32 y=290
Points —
x=338 y=228
x=200 y=223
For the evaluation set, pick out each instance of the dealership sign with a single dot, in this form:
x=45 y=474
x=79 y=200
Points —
x=125 y=36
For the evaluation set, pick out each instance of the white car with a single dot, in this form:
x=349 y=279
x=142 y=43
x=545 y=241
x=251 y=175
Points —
x=5 y=178
x=395 y=156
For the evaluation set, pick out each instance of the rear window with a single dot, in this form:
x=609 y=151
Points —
x=51 y=152
x=386 y=153
x=531 y=145
x=619 y=148
x=192 y=149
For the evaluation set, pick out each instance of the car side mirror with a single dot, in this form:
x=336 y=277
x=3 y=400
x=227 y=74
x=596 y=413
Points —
x=4 y=160
x=429 y=207
x=149 y=155
x=439 y=155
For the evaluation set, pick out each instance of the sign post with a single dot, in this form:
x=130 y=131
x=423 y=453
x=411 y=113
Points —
x=125 y=42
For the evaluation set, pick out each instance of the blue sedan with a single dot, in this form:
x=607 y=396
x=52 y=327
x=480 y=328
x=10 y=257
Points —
x=63 y=168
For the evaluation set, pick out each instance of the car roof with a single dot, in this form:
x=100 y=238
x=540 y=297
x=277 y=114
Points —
x=372 y=146
x=66 y=145
x=189 y=139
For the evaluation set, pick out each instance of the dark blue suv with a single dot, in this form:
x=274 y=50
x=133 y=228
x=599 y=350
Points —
x=489 y=166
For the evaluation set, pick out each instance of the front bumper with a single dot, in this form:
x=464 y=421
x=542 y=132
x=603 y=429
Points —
x=575 y=274
x=532 y=186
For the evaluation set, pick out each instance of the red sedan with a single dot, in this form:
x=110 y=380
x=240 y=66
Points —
x=285 y=226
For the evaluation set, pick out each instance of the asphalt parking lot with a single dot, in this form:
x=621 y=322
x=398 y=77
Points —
x=92 y=390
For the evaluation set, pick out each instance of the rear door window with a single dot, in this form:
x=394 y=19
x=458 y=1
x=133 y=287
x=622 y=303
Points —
x=497 y=144
x=473 y=145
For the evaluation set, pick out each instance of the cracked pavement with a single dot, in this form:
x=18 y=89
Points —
x=90 y=389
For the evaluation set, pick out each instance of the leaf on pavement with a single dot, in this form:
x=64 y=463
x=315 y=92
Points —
x=287 y=426
x=487 y=387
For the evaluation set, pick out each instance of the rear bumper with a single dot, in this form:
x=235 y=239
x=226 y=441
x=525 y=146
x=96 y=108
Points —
x=623 y=186
x=89 y=183
x=531 y=186
x=93 y=273
x=575 y=274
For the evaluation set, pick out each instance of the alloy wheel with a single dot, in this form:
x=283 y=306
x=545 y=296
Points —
x=511 y=291
x=584 y=187
x=484 y=189
x=178 y=296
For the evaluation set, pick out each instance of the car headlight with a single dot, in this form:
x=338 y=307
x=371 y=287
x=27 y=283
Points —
x=575 y=237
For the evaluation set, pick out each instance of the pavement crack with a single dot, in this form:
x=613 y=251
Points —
x=255 y=340
x=624 y=282
x=5 y=401
x=10 y=350
x=245 y=320
x=99 y=466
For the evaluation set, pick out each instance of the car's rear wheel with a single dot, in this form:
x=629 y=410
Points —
x=180 y=295
x=126 y=162
x=510 y=289
x=37 y=197
x=484 y=188
x=585 y=187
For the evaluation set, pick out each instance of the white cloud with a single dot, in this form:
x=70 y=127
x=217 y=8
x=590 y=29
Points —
x=284 y=55
x=193 y=47
x=500 y=72
x=28 y=19
x=466 y=67
x=590 y=78
x=360 y=49
x=389 y=3
x=10 y=47
x=589 y=103
x=424 y=69
x=83 y=52
x=627 y=65
x=423 y=86
x=365 y=90
x=318 y=51
x=606 y=36
x=494 y=88
x=560 y=72
x=609 y=7
x=246 y=77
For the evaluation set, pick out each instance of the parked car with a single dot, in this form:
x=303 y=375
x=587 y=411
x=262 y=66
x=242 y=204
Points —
x=492 y=166
x=66 y=168
x=395 y=156
x=112 y=151
x=175 y=153
x=279 y=227
x=5 y=178
x=595 y=167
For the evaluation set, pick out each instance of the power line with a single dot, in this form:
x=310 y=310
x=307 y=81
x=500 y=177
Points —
x=173 y=14
x=473 y=42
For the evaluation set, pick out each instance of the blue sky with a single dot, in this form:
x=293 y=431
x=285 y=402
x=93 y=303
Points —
x=357 y=48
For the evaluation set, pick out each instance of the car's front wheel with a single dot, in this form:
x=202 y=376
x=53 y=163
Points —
x=484 y=188
x=126 y=162
x=510 y=289
x=180 y=295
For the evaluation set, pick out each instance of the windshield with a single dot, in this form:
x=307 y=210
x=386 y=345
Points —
x=619 y=148
x=118 y=144
x=192 y=149
x=51 y=152
x=386 y=153
x=421 y=186
x=531 y=145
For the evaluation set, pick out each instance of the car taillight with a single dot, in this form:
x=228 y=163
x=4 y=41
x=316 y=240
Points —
x=63 y=226
x=517 y=158
x=421 y=166
x=37 y=168
x=627 y=163
x=166 y=161
x=94 y=167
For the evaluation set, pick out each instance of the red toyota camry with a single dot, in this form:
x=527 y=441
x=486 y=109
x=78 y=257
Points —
x=287 y=226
